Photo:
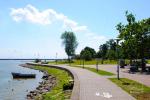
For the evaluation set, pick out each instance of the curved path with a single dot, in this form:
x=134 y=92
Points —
x=91 y=86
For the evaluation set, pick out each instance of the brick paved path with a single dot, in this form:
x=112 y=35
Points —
x=96 y=87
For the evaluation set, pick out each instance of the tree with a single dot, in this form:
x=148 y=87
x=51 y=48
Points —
x=103 y=51
x=135 y=36
x=70 y=43
x=111 y=52
x=111 y=44
x=88 y=53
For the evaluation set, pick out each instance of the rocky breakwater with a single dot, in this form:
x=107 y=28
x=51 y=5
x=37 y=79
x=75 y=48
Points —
x=46 y=85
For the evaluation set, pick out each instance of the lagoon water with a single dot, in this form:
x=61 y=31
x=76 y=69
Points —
x=16 y=89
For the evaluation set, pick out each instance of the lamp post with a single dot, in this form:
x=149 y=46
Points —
x=117 y=41
x=56 y=58
x=97 y=64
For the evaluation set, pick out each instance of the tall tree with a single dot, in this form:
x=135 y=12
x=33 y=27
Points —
x=70 y=43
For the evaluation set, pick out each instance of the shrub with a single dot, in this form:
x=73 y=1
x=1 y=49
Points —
x=68 y=86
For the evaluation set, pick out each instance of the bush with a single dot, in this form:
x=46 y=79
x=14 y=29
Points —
x=68 y=86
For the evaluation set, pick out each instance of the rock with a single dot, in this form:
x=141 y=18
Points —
x=48 y=82
x=31 y=91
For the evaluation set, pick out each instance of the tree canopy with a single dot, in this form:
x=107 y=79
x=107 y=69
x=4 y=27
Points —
x=70 y=43
x=88 y=53
x=135 y=36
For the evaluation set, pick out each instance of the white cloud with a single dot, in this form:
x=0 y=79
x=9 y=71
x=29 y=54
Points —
x=46 y=17
x=50 y=16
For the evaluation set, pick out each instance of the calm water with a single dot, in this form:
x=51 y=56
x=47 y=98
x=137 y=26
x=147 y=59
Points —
x=12 y=89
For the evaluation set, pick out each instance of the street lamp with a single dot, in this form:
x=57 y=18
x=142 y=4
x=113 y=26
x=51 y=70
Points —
x=117 y=41
x=56 y=58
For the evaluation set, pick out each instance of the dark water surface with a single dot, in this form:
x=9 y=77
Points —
x=16 y=89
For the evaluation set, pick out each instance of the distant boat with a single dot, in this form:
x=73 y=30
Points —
x=19 y=75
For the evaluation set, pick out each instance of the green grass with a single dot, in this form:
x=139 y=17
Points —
x=92 y=62
x=77 y=63
x=100 y=72
x=137 y=90
x=148 y=61
x=57 y=92
x=80 y=62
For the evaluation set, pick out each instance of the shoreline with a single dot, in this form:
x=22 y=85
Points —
x=48 y=82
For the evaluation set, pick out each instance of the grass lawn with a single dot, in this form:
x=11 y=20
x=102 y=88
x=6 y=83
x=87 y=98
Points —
x=148 y=61
x=80 y=62
x=100 y=72
x=92 y=62
x=137 y=90
x=77 y=63
x=57 y=92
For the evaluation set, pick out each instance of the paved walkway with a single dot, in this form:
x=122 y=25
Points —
x=142 y=78
x=91 y=86
x=96 y=87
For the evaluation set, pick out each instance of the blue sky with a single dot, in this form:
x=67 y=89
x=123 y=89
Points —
x=32 y=28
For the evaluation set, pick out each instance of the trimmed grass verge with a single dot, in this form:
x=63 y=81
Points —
x=137 y=90
x=62 y=78
x=100 y=72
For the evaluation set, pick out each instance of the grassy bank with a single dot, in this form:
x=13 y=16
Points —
x=137 y=90
x=62 y=78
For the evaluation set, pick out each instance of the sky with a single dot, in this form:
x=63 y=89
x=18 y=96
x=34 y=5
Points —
x=32 y=28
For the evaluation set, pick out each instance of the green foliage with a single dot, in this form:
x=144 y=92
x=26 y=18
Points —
x=77 y=57
x=103 y=50
x=100 y=72
x=135 y=36
x=111 y=54
x=88 y=53
x=137 y=90
x=68 y=86
x=79 y=62
x=70 y=42
x=107 y=51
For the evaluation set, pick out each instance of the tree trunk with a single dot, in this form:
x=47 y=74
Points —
x=143 y=65
x=130 y=62
x=142 y=56
x=68 y=59
x=102 y=61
